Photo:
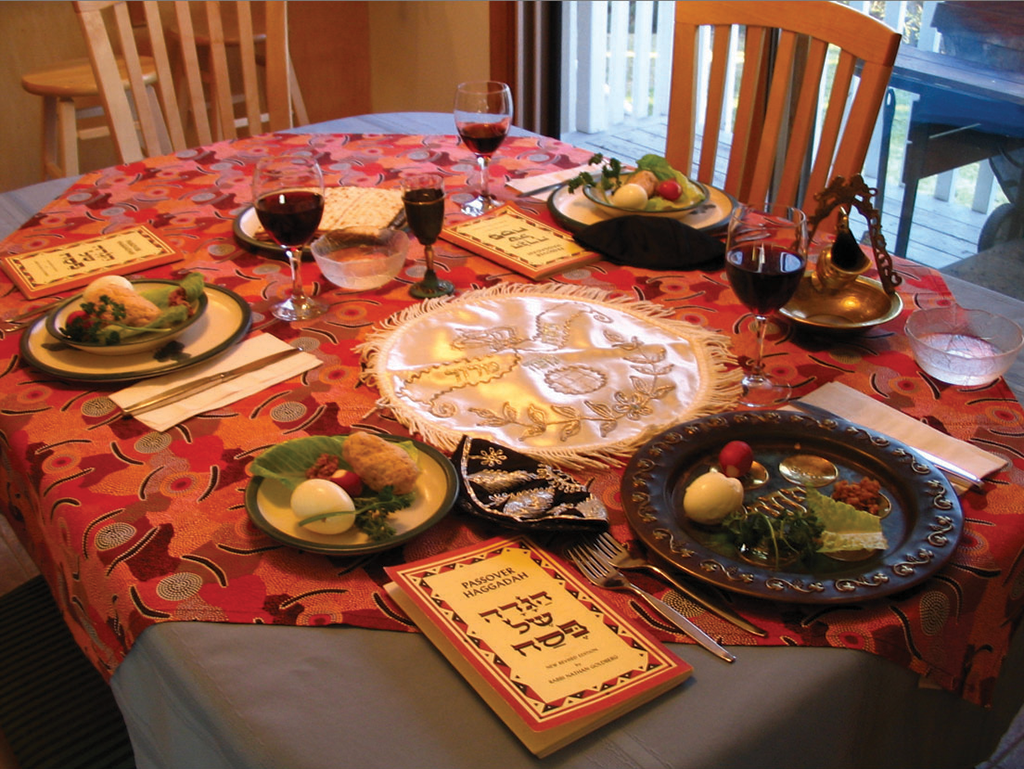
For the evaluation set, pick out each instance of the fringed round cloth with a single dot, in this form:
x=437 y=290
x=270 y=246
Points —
x=566 y=374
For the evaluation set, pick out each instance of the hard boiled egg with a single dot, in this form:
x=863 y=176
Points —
x=631 y=196
x=318 y=496
x=711 y=497
x=104 y=285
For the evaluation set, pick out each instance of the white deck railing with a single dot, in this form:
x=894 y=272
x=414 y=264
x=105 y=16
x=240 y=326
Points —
x=616 y=67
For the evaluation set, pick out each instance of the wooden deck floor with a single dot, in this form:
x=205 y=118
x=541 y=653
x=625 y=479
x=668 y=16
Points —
x=942 y=234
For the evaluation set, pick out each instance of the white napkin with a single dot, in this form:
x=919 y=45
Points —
x=227 y=392
x=545 y=180
x=864 y=410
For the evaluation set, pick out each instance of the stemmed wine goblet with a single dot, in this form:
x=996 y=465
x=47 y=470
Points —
x=765 y=256
x=288 y=191
x=483 y=116
x=423 y=198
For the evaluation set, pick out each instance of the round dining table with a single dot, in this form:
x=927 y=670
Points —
x=231 y=694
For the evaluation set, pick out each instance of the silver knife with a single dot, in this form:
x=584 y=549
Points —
x=546 y=188
x=205 y=383
x=686 y=626
x=955 y=473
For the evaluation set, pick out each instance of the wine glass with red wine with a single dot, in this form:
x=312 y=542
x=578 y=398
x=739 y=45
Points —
x=288 y=191
x=423 y=198
x=483 y=115
x=765 y=256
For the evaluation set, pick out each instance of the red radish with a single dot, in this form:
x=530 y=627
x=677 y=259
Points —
x=348 y=481
x=736 y=458
x=669 y=189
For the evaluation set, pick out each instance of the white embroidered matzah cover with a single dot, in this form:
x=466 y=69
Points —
x=566 y=374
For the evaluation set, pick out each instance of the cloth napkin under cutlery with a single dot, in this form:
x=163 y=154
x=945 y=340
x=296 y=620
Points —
x=541 y=186
x=861 y=409
x=253 y=349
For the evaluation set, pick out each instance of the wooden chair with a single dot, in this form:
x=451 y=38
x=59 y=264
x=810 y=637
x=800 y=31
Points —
x=70 y=98
x=166 y=125
x=774 y=151
x=230 y=31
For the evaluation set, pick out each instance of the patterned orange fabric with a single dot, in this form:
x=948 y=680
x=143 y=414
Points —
x=132 y=527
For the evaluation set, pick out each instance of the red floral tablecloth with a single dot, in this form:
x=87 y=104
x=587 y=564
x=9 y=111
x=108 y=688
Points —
x=132 y=527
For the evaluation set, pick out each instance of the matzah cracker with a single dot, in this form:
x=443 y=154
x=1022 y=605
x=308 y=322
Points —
x=356 y=207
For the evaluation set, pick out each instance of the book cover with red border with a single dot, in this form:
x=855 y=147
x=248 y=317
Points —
x=513 y=238
x=558 y=657
x=52 y=269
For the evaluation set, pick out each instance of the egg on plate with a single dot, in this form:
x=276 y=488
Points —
x=318 y=496
x=711 y=497
x=631 y=196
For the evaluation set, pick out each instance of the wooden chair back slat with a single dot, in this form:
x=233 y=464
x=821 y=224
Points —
x=108 y=78
x=165 y=77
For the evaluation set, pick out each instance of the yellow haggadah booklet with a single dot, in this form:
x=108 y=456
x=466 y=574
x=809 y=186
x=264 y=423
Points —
x=514 y=239
x=71 y=265
x=549 y=657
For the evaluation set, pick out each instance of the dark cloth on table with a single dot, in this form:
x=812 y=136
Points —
x=653 y=242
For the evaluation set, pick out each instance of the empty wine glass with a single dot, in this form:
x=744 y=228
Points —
x=483 y=116
x=288 y=194
x=423 y=197
x=765 y=255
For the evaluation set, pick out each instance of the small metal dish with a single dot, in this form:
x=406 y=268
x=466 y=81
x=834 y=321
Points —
x=860 y=305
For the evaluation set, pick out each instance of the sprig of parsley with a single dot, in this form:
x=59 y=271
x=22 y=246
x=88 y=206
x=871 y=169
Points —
x=611 y=171
x=787 y=530
x=87 y=327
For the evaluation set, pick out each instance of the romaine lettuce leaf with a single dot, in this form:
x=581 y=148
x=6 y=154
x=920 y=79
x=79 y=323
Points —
x=846 y=527
x=288 y=462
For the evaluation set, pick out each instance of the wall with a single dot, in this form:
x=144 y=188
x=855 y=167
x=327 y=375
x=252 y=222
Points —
x=421 y=50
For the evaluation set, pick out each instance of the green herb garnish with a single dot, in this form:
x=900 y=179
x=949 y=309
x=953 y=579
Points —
x=611 y=172
x=779 y=533
x=372 y=512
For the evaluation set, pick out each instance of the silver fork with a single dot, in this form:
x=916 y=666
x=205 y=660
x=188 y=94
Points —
x=23 y=319
x=603 y=574
x=620 y=556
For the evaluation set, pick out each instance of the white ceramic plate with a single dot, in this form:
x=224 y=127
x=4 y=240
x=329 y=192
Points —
x=225 y=322
x=574 y=211
x=267 y=502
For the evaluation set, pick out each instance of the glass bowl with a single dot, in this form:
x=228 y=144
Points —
x=360 y=258
x=57 y=320
x=963 y=347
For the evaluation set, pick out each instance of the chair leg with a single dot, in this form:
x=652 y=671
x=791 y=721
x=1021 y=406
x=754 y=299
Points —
x=50 y=158
x=67 y=139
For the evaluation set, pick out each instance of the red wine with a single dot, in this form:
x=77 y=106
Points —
x=291 y=217
x=484 y=138
x=424 y=209
x=764 y=276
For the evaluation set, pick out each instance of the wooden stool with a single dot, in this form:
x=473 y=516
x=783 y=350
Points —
x=59 y=85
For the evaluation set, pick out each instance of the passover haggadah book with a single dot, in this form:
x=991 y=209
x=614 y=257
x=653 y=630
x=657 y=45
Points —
x=73 y=265
x=550 y=658
x=516 y=240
